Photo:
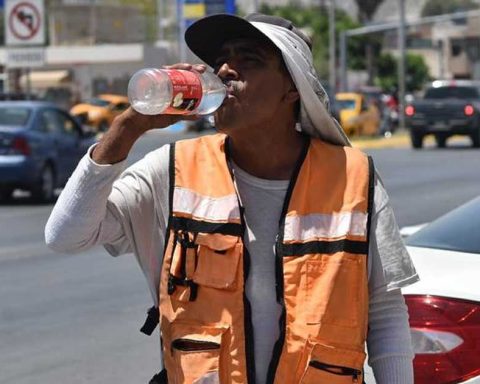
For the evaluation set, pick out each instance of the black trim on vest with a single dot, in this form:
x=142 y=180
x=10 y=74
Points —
x=247 y=310
x=152 y=319
x=191 y=225
x=311 y=247
x=279 y=286
x=371 y=194
x=171 y=174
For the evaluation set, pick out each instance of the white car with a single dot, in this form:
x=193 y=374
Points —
x=444 y=306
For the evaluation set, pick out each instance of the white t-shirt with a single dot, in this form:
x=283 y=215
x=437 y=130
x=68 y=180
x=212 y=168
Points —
x=129 y=214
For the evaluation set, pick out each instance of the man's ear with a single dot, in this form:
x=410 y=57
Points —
x=292 y=94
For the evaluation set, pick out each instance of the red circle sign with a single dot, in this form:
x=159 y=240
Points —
x=24 y=21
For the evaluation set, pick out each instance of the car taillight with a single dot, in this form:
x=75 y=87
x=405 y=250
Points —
x=20 y=146
x=469 y=110
x=409 y=110
x=445 y=338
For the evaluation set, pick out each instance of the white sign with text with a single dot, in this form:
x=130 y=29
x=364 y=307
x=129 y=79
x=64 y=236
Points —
x=25 y=57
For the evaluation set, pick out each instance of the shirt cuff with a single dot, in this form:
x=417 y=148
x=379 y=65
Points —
x=393 y=370
x=120 y=164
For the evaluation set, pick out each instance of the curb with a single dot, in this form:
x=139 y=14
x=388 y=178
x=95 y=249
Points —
x=400 y=140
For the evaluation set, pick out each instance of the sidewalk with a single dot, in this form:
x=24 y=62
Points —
x=397 y=140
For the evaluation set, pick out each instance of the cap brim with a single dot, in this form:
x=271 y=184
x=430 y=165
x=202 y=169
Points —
x=206 y=36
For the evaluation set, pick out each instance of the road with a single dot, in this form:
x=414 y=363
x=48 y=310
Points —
x=75 y=318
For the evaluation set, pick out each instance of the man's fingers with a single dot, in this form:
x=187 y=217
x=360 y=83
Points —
x=185 y=66
x=188 y=67
x=200 y=68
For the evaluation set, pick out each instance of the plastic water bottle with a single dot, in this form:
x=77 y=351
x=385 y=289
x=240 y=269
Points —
x=153 y=91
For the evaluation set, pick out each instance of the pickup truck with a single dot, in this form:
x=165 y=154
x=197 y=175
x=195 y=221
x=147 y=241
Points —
x=449 y=107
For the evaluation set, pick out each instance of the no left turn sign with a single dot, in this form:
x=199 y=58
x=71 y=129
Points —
x=24 y=22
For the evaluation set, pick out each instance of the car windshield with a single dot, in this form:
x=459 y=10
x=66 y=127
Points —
x=346 y=104
x=98 y=102
x=456 y=231
x=14 y=116
x=452 y=93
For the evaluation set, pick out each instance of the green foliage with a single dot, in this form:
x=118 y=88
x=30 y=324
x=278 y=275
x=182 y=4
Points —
x=387 y=75
x=440 y=7
x=314 y=21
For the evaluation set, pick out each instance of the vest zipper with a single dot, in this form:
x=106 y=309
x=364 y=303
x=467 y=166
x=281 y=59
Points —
x=337 y=370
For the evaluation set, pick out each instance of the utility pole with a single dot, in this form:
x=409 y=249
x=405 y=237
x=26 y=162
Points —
x=343 y=62
x=401 y=64
x=332 y=48
x=160 y=16
x=181 y=31
x=93 y=22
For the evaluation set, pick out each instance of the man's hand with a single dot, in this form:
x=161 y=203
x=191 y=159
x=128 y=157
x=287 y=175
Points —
x=130 y=125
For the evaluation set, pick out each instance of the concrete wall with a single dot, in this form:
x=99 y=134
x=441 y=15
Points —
x=101 y=24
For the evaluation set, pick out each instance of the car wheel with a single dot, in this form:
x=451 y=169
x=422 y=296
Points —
x=476 y=138
x=416 y=139
x=6 y=193
x=441 y=141
x=45 y=188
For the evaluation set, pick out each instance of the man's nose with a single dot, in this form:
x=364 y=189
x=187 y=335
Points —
x=227 y=72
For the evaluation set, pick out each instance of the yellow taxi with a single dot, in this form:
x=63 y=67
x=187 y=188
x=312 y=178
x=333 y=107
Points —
x=357 y=116
x=100 y=111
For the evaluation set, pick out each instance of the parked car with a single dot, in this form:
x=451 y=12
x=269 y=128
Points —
x=444 y=306
x=357 y=116
x=100 y=111
x=40 y=145
x=449 y=107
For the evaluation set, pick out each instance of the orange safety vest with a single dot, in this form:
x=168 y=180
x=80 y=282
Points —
x=321 y=269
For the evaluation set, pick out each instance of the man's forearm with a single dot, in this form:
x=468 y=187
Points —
x=75 y=222
x=117 y=142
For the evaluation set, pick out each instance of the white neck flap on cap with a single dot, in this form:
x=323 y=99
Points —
x=314 y=117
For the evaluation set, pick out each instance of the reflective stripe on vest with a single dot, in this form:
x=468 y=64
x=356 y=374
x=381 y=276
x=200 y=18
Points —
x=321 y=269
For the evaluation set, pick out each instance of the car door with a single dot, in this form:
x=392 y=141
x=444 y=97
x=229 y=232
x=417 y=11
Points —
x=66 y=141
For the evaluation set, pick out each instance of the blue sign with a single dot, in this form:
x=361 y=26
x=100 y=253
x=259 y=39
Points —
x=219 y=6
x=193 y=10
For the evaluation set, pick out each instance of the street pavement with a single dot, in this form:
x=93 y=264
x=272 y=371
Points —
x=75 y=318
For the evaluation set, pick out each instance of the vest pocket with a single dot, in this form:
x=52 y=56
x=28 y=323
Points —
x=218 y=258
x=334 y=290
x=196 y=353
x=332 y=365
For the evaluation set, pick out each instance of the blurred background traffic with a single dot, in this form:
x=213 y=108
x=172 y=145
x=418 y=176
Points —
x=402 y=75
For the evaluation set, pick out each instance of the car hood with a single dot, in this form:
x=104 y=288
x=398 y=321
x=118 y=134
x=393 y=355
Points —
x=86 y=108
x=445 y=273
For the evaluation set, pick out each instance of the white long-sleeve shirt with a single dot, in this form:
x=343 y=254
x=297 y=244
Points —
x=128 y=213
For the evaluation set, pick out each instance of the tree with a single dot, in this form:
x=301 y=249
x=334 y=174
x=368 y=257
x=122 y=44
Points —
x=315 y=21
x=440 y=7
x=417 y=72
x=366 y=12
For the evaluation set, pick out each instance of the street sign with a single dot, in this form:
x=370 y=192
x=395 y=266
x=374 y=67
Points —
x=24 y=22
x=25 y=57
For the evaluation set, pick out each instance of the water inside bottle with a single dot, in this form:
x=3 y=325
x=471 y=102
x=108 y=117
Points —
x=211 y=100
x=148 y=91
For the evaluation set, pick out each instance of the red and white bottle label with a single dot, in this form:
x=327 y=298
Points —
x=187 y=92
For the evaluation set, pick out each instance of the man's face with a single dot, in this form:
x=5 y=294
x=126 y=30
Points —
x=257 y=84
